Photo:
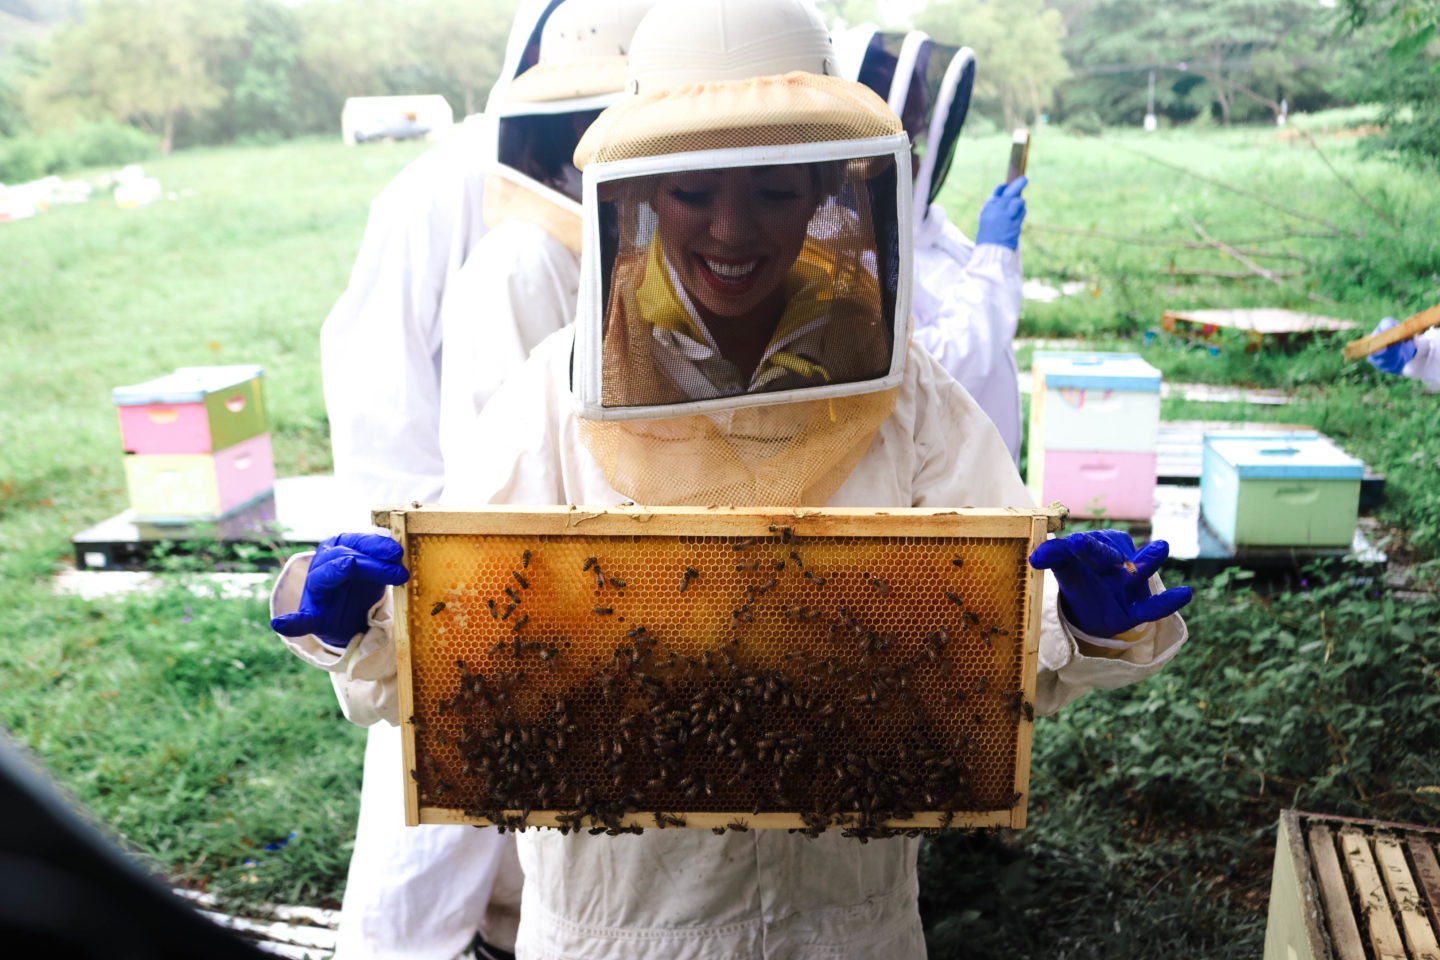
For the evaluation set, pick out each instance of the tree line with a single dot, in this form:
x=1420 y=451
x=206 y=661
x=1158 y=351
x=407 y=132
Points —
x=218 y=71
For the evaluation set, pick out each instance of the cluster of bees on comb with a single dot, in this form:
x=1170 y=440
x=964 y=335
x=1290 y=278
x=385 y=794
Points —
x=817 y=693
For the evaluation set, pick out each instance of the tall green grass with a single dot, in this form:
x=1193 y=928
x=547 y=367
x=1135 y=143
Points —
x=176 y=716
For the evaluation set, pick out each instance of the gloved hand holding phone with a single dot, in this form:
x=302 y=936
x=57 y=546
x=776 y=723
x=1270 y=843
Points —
x=1003 y=215
x=347 y=576
x=1105 y=582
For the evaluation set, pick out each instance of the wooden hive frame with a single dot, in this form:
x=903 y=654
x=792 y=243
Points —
x=1349 y=889
x=456 y=601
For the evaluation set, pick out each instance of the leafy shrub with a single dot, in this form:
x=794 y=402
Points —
x=102 y=143
x=1085 y=122
x=24 y=158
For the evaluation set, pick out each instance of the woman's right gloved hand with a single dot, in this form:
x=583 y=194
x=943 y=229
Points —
x=1394 y=357
x=348 y=574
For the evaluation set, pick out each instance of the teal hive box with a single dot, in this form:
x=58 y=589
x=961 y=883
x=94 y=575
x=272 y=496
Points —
x=1279 y=490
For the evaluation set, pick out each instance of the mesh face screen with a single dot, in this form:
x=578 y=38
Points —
x=746 y=280
x=877 y=70
x=950 y=134
x=923 y=94
x=824 y=681
x=541 y=146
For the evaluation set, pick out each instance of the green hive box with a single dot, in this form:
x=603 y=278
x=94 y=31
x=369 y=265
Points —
x=1279 y=490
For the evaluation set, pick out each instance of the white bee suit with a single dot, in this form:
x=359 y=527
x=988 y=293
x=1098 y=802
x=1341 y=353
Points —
x=416 y=893
x=424 y=891
x=762 y=894
x=1425 y=365
x=517 y=289
x=384 y=432
x=966 y=305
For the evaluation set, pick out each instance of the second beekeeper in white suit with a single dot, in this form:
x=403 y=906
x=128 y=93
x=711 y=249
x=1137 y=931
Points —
x=731 y=349
x=967 y=294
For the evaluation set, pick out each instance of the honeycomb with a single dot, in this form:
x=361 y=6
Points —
x=868 y=683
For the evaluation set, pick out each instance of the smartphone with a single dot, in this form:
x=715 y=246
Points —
x=1019 y=154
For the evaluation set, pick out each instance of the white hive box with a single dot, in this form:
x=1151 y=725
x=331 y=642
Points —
x=1094 y=429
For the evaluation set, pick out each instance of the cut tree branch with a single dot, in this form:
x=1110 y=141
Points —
x=1230 y=274
x=1257 y=197
x=1162 y=242
x=1225 y=248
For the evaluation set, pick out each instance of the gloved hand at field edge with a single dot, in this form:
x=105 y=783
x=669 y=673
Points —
x=1002 y=215
x=1394 y=357
x=348 y=574
x=1105 y=583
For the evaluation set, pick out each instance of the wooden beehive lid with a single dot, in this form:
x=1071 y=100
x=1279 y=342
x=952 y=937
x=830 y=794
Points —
x=1266 y=320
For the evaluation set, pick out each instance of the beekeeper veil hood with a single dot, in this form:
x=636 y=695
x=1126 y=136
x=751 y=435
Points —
x=928 y=85
x=744 y=290
x=578 y=70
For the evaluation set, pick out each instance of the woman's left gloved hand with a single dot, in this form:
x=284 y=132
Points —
x=1105 y=583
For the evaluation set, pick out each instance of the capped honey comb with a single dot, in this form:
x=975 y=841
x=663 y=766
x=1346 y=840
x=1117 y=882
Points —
x=631 y=668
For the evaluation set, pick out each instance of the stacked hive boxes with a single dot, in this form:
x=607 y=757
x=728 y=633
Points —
x=1094 y=426
x=196 y=443
x=1279 y=490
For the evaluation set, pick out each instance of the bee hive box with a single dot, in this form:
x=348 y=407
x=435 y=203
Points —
x=637 y=667
x=1346 y=889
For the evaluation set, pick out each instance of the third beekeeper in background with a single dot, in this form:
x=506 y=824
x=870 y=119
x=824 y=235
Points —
x=742 y=338
x=1417 y=358
x=966 y=299
x=468 y=232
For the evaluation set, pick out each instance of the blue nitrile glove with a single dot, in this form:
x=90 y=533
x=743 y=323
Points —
x=1394 y=357
x=347 y=576
x=1101 y=596
x=1002 y=215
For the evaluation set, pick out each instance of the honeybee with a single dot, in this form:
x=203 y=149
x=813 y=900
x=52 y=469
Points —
x=439 y=605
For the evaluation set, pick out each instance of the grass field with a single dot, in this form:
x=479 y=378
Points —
x=179 y=720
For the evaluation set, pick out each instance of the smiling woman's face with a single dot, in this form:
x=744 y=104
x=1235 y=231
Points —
x=732 y=235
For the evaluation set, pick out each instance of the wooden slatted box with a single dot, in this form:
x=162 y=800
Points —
x=630 y=668
x=1347 y=889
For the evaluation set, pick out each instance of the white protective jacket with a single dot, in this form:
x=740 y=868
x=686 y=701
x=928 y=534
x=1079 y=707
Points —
x=518 y=287
x=966 y=303
x=418 y=893
x=385 y=439
x=689 y=895
x=423 y=892
x=385 y=433
x=1425 y=365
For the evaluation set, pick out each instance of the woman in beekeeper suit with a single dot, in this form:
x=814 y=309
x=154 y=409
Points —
x=723 y=353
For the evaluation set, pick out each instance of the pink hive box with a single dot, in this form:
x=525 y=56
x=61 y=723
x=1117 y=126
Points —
x=1098 y=484
x=196 y=443
x=193 y=410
